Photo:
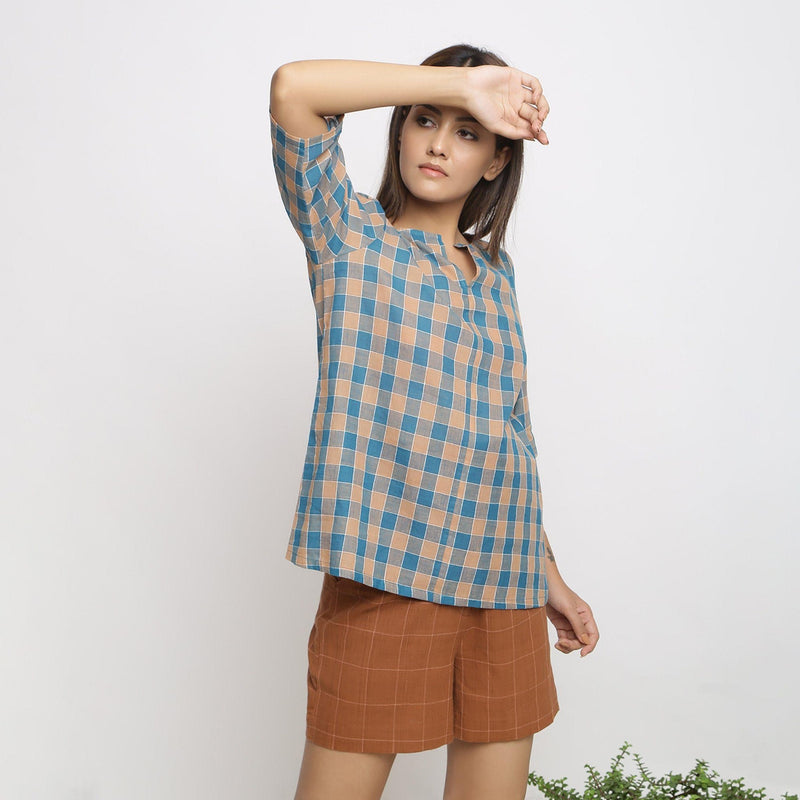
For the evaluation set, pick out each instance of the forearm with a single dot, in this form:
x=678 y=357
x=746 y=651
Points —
x=328 y=87
x=550 y=561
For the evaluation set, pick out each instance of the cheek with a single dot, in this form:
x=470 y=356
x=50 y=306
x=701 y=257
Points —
x=471 y=168
x=410 y=156
x=404 y=163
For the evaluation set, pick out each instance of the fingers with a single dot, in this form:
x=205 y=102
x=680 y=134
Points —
x=541 y=103
x=568 y=643
x=591 y=637
x=566 y=646
x=535 y=108
x=578 y=630
x=586 y=630
x=534 y=86
x=530 y=113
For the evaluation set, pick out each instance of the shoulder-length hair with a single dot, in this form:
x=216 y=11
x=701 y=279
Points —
x=489 y=205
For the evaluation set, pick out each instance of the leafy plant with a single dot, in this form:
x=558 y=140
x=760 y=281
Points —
x=700 y=783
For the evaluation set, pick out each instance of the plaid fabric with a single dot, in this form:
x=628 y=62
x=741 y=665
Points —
x=392 y=674
x=420 y=474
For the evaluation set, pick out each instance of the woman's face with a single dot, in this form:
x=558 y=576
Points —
x=448 y=137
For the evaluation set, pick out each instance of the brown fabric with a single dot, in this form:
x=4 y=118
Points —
x=395 y=674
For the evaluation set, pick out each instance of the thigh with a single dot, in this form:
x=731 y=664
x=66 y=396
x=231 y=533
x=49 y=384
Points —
x=488 y=771
x=380 y=670
x=333 y=775
x=504 y=688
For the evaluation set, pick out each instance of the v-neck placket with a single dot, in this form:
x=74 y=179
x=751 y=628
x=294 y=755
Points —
x=435 y=240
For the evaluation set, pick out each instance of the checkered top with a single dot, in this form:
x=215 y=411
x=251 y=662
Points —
x=420 y=474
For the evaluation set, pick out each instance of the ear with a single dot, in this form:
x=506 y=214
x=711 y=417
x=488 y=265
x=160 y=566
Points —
x=498 y=165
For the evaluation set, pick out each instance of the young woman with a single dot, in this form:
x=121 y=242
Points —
x=420 y=498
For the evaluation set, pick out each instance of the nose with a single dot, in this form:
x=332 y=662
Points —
x=437 y=144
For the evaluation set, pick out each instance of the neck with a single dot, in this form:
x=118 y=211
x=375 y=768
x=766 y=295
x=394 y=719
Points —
x=442 y=221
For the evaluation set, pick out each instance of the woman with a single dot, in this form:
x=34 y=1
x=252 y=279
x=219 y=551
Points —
x=420 y=498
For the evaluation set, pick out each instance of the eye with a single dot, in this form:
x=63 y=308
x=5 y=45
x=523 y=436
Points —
x=472 y=136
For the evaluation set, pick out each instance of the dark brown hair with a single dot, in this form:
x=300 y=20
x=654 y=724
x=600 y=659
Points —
x=489 y=205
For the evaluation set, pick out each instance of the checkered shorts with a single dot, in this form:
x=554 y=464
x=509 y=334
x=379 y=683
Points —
x=391 y=674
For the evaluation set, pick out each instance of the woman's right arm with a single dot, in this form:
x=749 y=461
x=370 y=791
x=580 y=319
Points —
x=302 y=93
x=308 y=101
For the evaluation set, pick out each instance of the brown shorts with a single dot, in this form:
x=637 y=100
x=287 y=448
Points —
x=395 y=674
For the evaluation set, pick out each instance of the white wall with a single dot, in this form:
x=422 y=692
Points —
x=159 y=364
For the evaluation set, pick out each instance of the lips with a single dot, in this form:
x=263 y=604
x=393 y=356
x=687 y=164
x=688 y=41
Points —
x=436 y=167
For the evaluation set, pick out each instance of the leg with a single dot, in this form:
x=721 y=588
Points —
x=336 y=775
x=503 y=687
x=488 y=771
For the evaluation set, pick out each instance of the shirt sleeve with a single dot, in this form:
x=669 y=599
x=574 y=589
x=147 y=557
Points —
x=328 y=215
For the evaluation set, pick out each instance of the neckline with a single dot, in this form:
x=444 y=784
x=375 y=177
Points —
x=431 y=238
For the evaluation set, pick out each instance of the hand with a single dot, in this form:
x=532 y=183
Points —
x=572 y=619
x=498 y=99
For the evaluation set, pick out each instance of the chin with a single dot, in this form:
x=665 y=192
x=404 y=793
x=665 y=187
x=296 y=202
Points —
x=424 y=191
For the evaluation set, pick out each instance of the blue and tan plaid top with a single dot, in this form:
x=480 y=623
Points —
x=420 y=474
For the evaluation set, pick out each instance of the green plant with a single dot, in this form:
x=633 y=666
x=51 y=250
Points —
x=701 y=783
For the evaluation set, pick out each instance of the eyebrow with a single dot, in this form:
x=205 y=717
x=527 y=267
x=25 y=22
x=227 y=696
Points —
x=458 y=119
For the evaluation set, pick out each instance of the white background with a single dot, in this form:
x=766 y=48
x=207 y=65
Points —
x=158 y=353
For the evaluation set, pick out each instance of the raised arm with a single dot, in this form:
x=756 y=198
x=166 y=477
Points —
x=303 y=92
x=504 y=100
x=308 y=101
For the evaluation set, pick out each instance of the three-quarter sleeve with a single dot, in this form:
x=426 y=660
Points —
x=330 y=218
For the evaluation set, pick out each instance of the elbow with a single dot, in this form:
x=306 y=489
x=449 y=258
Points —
x=279 y=85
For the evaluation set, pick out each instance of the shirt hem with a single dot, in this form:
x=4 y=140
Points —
x=410 y=591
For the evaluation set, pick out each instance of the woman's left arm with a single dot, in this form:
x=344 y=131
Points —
x=571 y=616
